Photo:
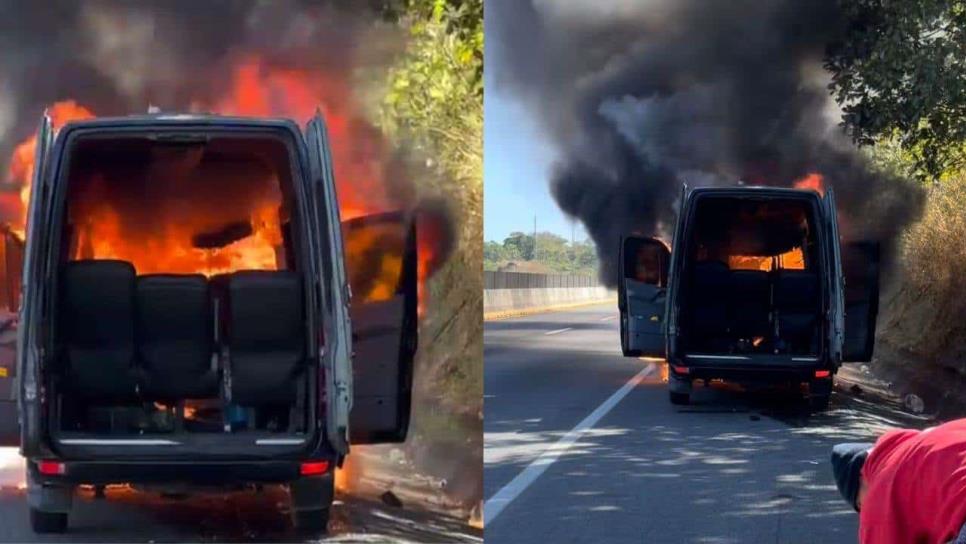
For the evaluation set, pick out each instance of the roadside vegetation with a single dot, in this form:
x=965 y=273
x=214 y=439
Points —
x=899 y=73
x=553 y=254
x=431 y=106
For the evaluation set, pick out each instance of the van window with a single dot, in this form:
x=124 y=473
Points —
x=184 y=208
x=755 y=234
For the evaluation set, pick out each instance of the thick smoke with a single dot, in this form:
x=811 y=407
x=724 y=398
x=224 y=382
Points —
x=641 y=96
x=118 y=57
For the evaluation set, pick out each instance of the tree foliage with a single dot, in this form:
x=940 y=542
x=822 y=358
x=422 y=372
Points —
x=899 y=73
x=554 y=252
x=435 y=95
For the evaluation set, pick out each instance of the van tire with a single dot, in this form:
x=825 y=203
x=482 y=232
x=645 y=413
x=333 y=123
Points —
x=48 y=522
x=311 y=522
x=679 y=399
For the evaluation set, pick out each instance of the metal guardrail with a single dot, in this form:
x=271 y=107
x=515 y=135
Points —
x=530 y=280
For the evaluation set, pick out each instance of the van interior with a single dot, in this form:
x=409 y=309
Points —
x=752 y=278
x=179 y=306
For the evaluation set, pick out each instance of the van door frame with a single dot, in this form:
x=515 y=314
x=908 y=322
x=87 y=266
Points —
x=332 y=287
x=671 y=319
x=30 y=350
x=836 y=308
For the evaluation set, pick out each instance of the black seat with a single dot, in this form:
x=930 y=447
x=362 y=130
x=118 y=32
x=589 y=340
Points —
x=709 y=317
x=266 y=337
x=97 y=330
x=798 y=303
x=749 y=303
x=175 y=337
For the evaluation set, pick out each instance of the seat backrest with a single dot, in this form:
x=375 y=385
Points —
x=96 y=329
x=798 y=303
x=709 y=319
x=749 y=302
x=266 y=336
x=175 y=336
x=797 y=290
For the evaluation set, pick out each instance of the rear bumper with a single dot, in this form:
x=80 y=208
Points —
x=762 y=372
x=203 y=474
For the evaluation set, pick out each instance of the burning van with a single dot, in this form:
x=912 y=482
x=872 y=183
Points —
x=185 y=314
x=756 y=289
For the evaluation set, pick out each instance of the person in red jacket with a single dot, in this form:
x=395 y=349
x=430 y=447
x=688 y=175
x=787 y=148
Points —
x=909 y=487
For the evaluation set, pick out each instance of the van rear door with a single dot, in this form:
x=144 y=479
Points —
x=836 y=324
x=381 y=258
x=332 y=288
x=642 y=295
x=368 y=374
x=27 y=384
x=860 y=265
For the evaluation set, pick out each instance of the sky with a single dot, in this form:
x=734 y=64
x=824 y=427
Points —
x=516 y=163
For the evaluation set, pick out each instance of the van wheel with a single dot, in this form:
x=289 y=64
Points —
x=680 y=399
x=48 y=522
x=311 y=522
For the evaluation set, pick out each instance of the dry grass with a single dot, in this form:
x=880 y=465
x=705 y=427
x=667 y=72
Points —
x=923 y=308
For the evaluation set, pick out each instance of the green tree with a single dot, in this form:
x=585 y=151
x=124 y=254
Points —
x=899 y=73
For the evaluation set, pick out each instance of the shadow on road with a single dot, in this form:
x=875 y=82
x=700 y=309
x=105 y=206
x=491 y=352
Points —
x=731 y=467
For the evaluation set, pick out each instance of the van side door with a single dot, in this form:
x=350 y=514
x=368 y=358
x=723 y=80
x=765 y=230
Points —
x=860 y=265
x=332 y=287
x=27 y=382
x=382 y=263
x=642 y=292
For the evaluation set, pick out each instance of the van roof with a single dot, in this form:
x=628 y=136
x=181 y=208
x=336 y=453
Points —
x=175 y=119
x=753 y=190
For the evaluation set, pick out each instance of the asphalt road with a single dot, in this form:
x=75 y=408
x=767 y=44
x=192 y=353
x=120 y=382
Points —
x=582 y=445
x=126 y=515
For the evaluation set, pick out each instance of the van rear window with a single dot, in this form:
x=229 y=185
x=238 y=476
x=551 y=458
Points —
x=204 y=207
x=761 y=235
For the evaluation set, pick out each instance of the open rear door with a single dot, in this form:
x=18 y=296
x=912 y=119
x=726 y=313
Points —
x=381 y=257
x=332 y=288
x=836 y=283
x=642 y=295
x=26 y=379
x=860 y=265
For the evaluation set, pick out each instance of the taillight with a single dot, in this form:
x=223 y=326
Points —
x=681 y=369
x=314 y=468
x=52 y=468
x=823 y=373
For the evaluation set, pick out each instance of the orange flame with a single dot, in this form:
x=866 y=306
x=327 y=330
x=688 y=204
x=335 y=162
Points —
x=813 y=181
x=258 y=89
x=21 y=170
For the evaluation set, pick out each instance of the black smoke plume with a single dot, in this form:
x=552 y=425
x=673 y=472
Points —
x=641 y=96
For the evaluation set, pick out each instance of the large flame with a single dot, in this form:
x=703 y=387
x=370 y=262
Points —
x=21 y=169
x=259 y=89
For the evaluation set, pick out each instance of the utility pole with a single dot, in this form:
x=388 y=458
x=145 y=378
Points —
x=534 y=256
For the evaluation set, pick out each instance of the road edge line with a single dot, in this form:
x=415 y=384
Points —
x=506 y=494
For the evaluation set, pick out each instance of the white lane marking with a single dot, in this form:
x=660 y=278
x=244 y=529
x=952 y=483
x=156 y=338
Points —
x=608 y=318
x=495 y=504
x=558 y=331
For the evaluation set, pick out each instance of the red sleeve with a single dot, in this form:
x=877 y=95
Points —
x=916 y=484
